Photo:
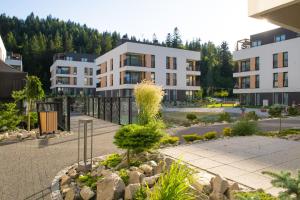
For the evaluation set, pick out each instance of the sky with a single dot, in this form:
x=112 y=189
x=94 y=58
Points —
x=209 y=20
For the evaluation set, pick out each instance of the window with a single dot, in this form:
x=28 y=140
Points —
x=167 y=78
x=257 y=63
x=174 y=63
x=245 y=82
x=275 y=80
x=153 y=76
x=174 y=79
x=153 y=61
x=69 y=58
x=275 y=60
x=120 y=61
x=279 y=38
x=74 y=70
x=257 y=81
x=256 y=43
x=245 y=65
x=285 y=79
x=168 y=62
x=285 y=59
x=84 y=59
x=111 y=80
x=111 y=64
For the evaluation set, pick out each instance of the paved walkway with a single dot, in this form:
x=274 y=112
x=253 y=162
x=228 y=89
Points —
x=242 y=159
x=27 y=168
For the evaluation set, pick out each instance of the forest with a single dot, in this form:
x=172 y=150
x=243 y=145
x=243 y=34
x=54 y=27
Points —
x=38 y=39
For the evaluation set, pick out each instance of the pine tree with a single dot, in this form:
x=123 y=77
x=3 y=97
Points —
x=57 y=42
x=176 y=39
x=68 y=42
x=169 y=40
x=11 y=43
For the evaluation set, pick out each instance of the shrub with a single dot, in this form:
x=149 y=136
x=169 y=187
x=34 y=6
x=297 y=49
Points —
x=112 y=160
x=192 y=137
x=174 y=184
x=251 y=116
x=169 y=140
x=227 y=131
x=191 y=116
x=292 y=111
x=148 y=97
x=225 y=116
x=275 y=111
x=244 y=127
x=286 y=181
x=9 y=118
x=138 y=138
x=141 y=194
x=33 y=119
x=254 y=195
x=210 y=135
x=289 y=132
x=88 y=180
x=124 y=176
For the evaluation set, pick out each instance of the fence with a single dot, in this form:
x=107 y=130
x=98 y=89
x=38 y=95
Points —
x=119 y=110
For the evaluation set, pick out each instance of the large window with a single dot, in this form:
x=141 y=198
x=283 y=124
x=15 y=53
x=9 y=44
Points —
x=257 y=63
x=174 y=63
x=174 y=79
x=167 y=78
x=132 y=77
x=285 y=79
x=257 y=81
x=275 y=60
x=245 y=82
x=275 y=80
x=134 y=60
x=285 y=59
x=153 y=76
x=153 y=61
x=64 y=70
x=245 y=65
x=168 y=62
x=279 y=38
x=256 y=43
x=111 y=64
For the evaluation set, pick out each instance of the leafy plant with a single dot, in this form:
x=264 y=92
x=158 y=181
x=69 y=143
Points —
x=286 y=181
x=292 y=111
x=244 y=127
x=138 y=138
x=191 y=116
x=227 y=131
x=225 y=116
x=112 y=161
x=254 y=195
x=124 y=176
x=251 y=116
x=141 y=194
x=148 y=97
x=89 y=180
x=210 y=135
x=174 y=184
x=275 y=111
x=33 y=119
x=9 y=118
x=192 y=137
x=169 y=140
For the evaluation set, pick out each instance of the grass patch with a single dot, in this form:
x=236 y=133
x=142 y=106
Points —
x=283 y=133
x=253 y=195
x=220 y=105
x=88 y=180
x=112 y=161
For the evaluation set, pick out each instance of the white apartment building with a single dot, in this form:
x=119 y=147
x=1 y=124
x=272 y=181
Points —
x=268 y=68
x=73 y=74
x=14 y=60
x=120 y=69
x=2 y=50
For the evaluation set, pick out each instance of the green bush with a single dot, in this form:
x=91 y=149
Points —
x=174 y=184
x=225 y=116
x=141 y=194
x=289 y=132
x=227 y=131
x=191 y=116
x=33 y=119
x=254 y=195
x=292 y=111
x=251 y=116
x=275 y=111
x=138 y=138
x=124 y=176
x=192 y=137
x=89 y=180
x=9 y=118
x=210 y=135
x=244 y=127
x=169 y=140
x=112 y=161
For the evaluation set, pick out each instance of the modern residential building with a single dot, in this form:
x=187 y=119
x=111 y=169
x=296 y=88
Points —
x=267 y=70
x=73 y=74
x=14 y=60
x=284 y=13
x=2 y=50
x=120 y=69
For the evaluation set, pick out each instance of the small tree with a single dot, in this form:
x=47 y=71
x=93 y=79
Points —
x=33 y=91
x=276 y=111
x=286 y=181
x=138 y=138
x=148 y=97
x=9 y=118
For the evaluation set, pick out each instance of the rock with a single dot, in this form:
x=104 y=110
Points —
x=136 y=169
x=65 y=179
x=70 y=195
x=130 y=191
x=147 y=169
x=168 y=162
x=219 y=185
x=150 y=181
x=65 y=188
x=20 y=136
x=202 y=182
x=98 y=171
x=159 y=168
x=123 y=164
x=86 y=193
x=110 y=188
x=72 y=173
x=82 y=168
x=231 y=190
x=217 y=196
x=135 y=177
x=152 y=163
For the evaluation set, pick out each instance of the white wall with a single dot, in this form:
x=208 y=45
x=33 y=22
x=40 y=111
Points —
x=160 y=65
x=2 y=50
x=265 y=54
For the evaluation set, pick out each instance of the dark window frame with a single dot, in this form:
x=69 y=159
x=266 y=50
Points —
x=285 y=79
x=275 y=80
x=285 y=59
x=275 y=60
x=257 y=63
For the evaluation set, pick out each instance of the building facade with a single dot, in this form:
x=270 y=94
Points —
x=268 y=68
x=14 y=60
x=2 y=50
x=120 y=69
x=73 y=74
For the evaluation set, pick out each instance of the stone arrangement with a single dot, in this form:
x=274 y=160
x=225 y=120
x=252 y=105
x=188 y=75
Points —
x=112 y=187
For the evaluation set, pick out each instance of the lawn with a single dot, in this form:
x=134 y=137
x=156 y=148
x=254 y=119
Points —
x=220 y=105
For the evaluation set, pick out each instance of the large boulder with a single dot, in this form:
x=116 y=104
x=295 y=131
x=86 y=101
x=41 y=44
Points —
x=147 y=169
x=111 y=187
x=135 y=177
x=150 y=181
x=219 y=185
x=168 y=162
x=86 y=193
x=65 y=179
x=130 y=191
x=201 y=182
x=159 y=168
